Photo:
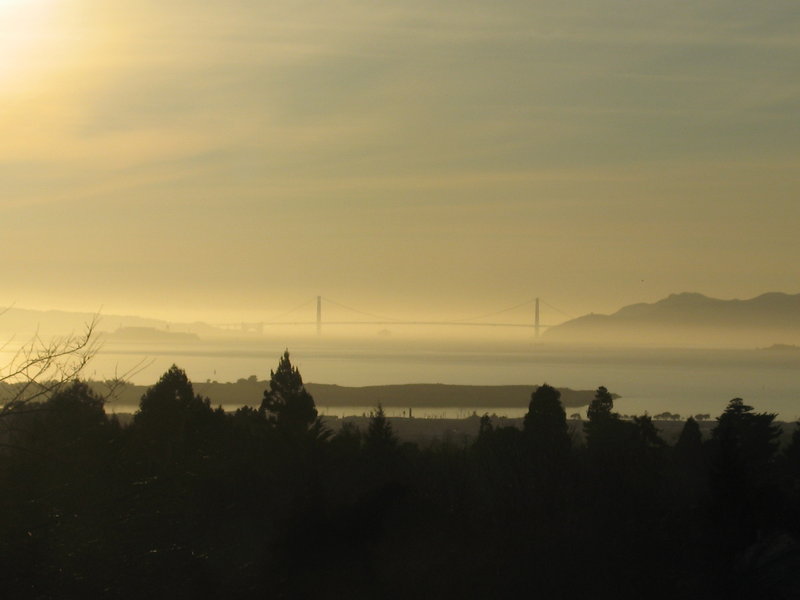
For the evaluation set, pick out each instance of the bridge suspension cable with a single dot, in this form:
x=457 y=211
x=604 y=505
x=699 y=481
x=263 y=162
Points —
x=557 y=310
x=361 y=312
x=499 y=312
x=288 y=312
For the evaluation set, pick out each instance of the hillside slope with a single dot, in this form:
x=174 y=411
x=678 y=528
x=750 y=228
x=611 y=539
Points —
x=690 y=319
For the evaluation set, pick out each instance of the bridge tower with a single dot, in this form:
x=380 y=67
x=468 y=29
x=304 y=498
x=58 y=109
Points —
x=319 y=315
x=536 y=319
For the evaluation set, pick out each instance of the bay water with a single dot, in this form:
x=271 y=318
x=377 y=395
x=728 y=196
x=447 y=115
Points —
x=648 y=380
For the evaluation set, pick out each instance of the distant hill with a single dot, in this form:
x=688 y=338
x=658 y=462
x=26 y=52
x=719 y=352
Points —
x=690 y=319
x=22 y=323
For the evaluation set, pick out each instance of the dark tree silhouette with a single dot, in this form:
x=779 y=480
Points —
x=169 y=401
x=75 y=409
x=689 y=476
x=792 y=451
x=743 y=478
x=485 y=427
x=172 y=420
x=379 y=438
x=348 y=439
x=646 y=433
x=287 y=404
x=187 y=501
x=70 y=422
x=743 y=435
x=545 y=423
x=603 y=427
x=601 y=405
x=55 y=483
x=690 y=442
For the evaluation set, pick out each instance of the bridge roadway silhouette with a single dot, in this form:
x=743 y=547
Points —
x=534 y=324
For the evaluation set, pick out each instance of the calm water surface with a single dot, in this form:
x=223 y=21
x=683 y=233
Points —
x=652 y=387
x=649 y=380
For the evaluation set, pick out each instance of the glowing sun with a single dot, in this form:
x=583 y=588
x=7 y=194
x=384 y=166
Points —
x=27 y=28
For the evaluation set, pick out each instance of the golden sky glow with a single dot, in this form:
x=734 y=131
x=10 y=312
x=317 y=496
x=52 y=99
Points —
x=235 y=158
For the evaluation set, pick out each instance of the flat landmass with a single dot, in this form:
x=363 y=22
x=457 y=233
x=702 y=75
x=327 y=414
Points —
x=249 y=392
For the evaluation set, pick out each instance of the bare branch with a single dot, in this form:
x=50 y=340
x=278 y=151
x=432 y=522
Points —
x=40 y=368
x=120 y=380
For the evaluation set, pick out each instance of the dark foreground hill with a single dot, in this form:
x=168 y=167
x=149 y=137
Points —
x=691 y=319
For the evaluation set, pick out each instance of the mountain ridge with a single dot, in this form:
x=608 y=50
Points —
x=690 y=318
x=28 y=321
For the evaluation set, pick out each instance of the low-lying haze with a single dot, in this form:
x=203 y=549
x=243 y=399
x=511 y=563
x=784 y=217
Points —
x=229 y=160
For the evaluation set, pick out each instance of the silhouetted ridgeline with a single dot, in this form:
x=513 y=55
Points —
x=188 y=501
x=690 y=320
x=23 y=322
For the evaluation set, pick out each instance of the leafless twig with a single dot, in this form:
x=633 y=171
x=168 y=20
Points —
x=40 y=368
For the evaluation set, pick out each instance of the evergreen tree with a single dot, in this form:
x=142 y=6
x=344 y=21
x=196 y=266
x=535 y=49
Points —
x=71 y=423
x=172 y=420
x=646 y=433
x=545 y=423
x=601 y=405
x=74 y=410
x=792 y=451
x=380 y=438
x=690 y=477
x=57 y=478
x=485 y=428
x=603 y=427
x=743 y=477
x=689 y=446
x=791 y=464
x=170 y=400
x=381 y=451
x=746 y=436
x=287 y=404
x=348 y=438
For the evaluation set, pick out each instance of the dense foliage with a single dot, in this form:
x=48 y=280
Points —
x=189 y=502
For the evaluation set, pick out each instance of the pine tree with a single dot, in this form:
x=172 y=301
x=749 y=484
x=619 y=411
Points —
x=485 y=428
x=173 y=389
x=171 y=415
x=601 y=406
x=380 y=437
x=744 y=436
x=689 y=447
x=287 y=404
x=603 y=427
x=792 y=454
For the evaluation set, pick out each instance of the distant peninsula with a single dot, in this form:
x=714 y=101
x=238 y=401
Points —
x=450 y=396
x=249 y=392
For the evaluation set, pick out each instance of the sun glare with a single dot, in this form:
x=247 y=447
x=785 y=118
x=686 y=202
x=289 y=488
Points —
x=27 y=28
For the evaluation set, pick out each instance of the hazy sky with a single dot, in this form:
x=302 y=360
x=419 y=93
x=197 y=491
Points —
x=237 y=157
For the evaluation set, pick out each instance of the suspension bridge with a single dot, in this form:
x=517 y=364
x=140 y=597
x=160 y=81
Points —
x=292 y=318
